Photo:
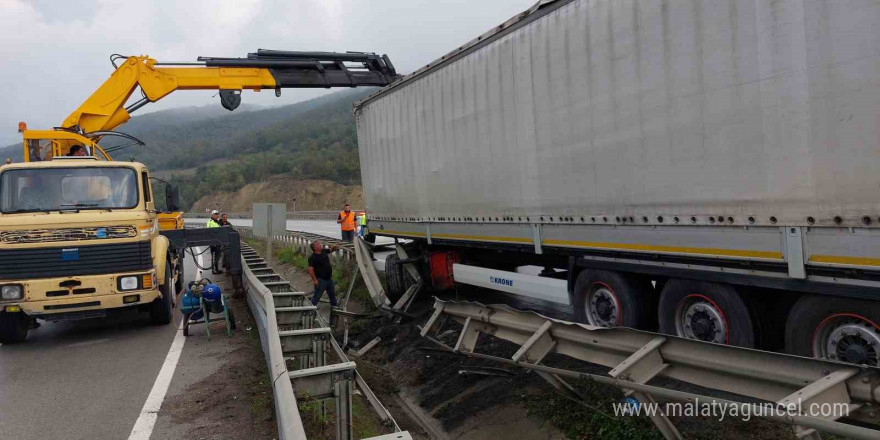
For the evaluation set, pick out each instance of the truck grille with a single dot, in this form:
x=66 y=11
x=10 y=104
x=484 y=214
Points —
x=68 y=234
x=75 y=260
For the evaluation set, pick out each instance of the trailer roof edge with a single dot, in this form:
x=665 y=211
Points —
x=539 y=9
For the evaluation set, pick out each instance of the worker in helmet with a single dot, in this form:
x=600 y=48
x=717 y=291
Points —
x=361 y=219
x=214 y=222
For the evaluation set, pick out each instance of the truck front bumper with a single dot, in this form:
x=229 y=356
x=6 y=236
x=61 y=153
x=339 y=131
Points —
x=52 y=296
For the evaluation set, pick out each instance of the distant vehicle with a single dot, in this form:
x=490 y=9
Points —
x=697 y=168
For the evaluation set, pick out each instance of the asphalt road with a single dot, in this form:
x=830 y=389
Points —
x=82 y=379
x=327 y=228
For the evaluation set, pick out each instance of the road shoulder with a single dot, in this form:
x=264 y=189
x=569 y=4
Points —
x=220 y=390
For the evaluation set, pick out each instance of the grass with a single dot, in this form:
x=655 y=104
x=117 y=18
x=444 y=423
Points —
x=322 y=426
x=594 y=420
x=342 y=275
x=292 y=257
x=366 y=423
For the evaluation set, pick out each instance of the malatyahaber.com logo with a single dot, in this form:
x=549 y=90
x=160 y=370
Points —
x=721 y=409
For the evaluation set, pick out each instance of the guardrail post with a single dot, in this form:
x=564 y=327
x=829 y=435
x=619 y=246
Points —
x=343 y=410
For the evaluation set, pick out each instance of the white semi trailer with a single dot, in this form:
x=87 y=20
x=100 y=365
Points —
x=710 y=169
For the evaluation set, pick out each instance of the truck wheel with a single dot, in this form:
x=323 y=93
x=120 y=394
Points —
x=160 y=308
x=394 y=278
x=13 y=327
x=610 y=299
x=705 y=311
x=178 y=285
x=839 y=329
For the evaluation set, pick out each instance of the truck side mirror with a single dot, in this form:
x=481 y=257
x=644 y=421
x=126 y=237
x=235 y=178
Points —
x=172 y=198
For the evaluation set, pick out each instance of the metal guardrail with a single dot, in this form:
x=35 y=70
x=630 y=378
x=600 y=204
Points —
x=788 y=384
x=301 y=242
x=259 y=297
x=291 y=215
x=291 y=331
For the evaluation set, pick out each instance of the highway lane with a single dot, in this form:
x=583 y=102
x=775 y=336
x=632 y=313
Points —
x=328 y=228
x=82 y=379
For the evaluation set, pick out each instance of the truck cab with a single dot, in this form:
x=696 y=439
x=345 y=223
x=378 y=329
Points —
x=79 y=236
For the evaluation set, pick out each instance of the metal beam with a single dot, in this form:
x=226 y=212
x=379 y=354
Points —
x=635 y=357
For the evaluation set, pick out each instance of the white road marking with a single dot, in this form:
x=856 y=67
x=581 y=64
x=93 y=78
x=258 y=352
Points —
x=143 y=427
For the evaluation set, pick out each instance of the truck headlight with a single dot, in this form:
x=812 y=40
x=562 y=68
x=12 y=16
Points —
x=128 y=283
x=11 y=291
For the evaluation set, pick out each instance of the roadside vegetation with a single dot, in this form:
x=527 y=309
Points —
x=579 y=420
x=342 y=275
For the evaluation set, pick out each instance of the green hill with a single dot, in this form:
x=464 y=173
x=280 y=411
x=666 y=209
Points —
x=203 y=150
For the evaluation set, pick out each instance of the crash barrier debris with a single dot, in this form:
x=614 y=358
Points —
x=790 y=384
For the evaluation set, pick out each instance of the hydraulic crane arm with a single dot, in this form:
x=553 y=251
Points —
x=266 y=69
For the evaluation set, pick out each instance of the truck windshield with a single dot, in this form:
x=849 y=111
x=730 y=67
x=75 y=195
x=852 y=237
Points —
x=60 y=189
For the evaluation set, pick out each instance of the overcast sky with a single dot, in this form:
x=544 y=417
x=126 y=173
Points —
x=54 y=53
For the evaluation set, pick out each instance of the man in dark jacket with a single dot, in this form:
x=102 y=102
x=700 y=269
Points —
x=322 y=272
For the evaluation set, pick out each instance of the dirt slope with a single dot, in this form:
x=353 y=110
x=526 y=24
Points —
x=310 y=195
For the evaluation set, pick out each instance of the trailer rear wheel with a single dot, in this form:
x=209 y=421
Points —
x=396 y=278
x=610 y=299
x=840 y=329
x=705 y=311
x=13 y=327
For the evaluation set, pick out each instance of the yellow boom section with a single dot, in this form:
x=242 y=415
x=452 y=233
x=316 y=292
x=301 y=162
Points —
x=105 y=108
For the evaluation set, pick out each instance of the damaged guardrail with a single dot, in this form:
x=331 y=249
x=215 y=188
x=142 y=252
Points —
x=636 y=357
x=290 y=426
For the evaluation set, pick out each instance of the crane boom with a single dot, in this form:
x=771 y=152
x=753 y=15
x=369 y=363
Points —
x=106 y=108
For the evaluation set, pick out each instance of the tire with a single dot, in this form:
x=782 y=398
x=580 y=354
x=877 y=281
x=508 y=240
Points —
x=178 y=285
x=611 y=299
x=160 y=308
x=394 y=280
x=705 y=311
x=370 y=238
x=13 y=327
x=839 y=329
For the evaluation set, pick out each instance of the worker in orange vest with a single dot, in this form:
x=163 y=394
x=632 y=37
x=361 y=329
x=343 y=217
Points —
x=346 y=223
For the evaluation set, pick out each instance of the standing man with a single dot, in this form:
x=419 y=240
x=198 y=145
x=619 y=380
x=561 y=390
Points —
x=322 y=272
x=214 y=222
x=346 y=223
x=224 y=220
x=362 y=223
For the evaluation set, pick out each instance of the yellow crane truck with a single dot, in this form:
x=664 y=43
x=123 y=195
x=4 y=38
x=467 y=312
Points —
x=80 y=233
